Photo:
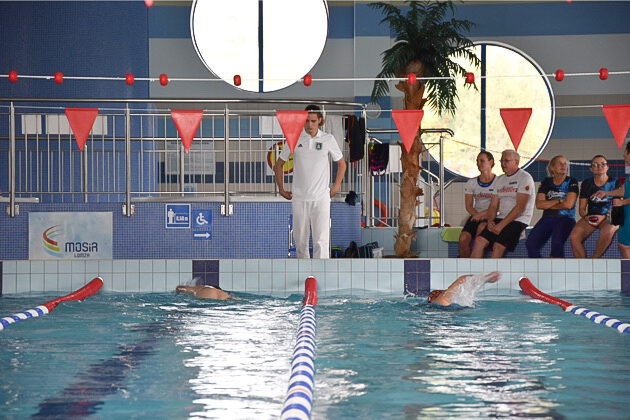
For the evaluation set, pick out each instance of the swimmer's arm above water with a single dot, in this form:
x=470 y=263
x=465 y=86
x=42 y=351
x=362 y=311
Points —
x=468 y=280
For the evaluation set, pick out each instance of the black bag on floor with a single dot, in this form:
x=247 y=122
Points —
x=352 y=251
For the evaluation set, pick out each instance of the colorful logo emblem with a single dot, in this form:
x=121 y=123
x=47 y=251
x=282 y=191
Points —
x=50 y=245
x=287 y=168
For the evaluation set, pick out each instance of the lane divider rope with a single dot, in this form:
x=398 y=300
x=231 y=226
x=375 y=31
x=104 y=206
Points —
x=299 y=398
x=531 y=290
x=45 y=308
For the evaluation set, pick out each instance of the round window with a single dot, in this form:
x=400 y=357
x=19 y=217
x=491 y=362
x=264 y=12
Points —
x=270 y=43
x=513 y=80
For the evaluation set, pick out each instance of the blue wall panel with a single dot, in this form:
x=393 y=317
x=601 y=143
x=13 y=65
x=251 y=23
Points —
x=94 y=38
x=255 y=230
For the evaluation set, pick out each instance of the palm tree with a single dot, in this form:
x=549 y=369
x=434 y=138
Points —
x=426 y=43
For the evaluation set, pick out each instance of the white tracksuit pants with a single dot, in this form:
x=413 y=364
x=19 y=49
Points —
x=312 y=216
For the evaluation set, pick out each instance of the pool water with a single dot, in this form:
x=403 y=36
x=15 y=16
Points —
x=171 y=356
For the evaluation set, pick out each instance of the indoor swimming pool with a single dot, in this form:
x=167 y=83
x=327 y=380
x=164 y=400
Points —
x=162 y=355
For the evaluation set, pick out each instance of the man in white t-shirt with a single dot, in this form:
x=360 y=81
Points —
x=311 y=192
x=511 y=208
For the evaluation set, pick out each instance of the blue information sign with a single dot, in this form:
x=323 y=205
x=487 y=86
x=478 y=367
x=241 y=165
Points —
x=202 y=224
x=178 y=216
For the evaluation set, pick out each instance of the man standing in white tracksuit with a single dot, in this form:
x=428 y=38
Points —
x=311 y=192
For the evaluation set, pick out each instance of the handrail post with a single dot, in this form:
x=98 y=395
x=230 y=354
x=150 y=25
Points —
x=441 y=181
x=366 y=184
x=227 y=207
x=181 y=169
x=84 y=177
x=127 y=207
x=12 y=209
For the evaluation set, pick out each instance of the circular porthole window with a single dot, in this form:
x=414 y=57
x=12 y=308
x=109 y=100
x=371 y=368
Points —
x=513 y=80
x=270 y=43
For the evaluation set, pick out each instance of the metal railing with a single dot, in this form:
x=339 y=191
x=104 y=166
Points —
x=385 y=189
x=134 y=153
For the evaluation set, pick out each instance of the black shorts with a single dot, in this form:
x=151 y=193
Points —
x=508 y=237
x=471 y=227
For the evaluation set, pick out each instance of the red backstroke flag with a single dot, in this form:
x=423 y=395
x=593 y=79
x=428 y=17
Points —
x=618 y=117
x=515 y=120
x=292 y=123
x=81 y=121
x=187 y=123
x=408 y=123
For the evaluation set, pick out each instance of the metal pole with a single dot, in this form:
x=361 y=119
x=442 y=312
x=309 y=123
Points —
x=368 y=198
x=84 y=178
x=11 y=209
x=128 y=207
x=181 y=169
x=226 y=168
x=441 y=181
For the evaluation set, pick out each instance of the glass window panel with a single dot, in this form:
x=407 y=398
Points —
x=514 y=81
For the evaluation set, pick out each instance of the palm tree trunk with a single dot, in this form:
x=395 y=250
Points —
x=409 y=190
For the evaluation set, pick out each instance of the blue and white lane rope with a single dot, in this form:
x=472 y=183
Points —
x=598 y=318
x=299 y=399
x=88 y=290
x=30 y=313
x=527 y=287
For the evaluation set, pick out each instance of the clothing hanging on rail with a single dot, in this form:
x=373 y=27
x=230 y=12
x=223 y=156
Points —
x=333 y=124
x=356 y=137
x=379 y=158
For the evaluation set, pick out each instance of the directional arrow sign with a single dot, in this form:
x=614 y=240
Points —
x=204 y=235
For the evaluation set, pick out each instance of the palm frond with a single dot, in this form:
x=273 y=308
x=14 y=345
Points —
x=426 y=32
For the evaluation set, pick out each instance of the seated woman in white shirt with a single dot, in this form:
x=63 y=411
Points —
x=477 y=198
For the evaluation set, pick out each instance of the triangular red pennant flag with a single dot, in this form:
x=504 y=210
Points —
x=618 y=117
x=408 y=123
x=81 y=121
x=187 y=122
x=292 y=123
x=515 y=120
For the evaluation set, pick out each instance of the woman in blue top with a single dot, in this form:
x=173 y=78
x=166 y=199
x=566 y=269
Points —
x=556 y=197
x=594 y=210
x=623 y=238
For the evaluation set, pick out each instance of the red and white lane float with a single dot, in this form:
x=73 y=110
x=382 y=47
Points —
x=299 y=399
x=596 y=317
x=80 y=294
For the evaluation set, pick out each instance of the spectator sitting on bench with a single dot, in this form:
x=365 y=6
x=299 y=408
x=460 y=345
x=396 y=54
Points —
x=513 y=199
x=556 y=197
x=593 y=209
x=477 y=198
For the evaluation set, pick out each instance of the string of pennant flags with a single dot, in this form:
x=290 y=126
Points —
x=411 y=78
x=291 y=122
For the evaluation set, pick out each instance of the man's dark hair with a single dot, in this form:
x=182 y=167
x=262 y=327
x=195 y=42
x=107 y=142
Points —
x=315 y=110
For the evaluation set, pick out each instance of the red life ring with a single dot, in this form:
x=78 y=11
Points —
x=383 y=215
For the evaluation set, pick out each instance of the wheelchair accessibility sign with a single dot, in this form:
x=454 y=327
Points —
x=202 y=224
x=178 y=216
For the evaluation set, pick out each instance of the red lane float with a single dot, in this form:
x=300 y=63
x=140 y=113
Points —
x=532 y=291
x=310 y=291
x=45 y=308
x=596 y=317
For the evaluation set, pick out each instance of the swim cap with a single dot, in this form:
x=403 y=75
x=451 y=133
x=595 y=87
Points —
x=434 y=295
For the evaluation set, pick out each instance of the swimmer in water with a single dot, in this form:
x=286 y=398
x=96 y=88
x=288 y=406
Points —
x=204 y=292
x=463 y=290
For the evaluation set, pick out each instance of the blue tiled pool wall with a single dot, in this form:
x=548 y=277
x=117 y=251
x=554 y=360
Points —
x=254 y=230
x=283 y=277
